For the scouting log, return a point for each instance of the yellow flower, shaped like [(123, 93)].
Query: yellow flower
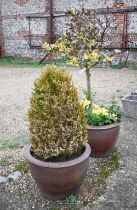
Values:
[(96, 106), (104, 112), (60, 44), (86, 56), (46, 46), (85, 103), (108, 59), (100, 110), (91, 43), (73, 61), (94, 56), (72, 11)]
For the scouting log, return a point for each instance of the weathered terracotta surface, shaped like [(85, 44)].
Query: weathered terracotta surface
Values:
[(102, 139), (130, 105), (58, 180)]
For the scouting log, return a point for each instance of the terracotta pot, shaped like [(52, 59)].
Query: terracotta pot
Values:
[(60, 179), (102, 139)]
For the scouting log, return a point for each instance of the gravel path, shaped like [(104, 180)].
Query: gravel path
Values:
[(15, 89), (121, 192)]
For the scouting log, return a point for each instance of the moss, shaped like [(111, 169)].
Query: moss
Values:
[(5, 161), (22, 166), (104, 169), (107, 167)]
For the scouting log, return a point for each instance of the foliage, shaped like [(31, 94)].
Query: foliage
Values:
[(70, 202), (56, 117), (97, 115), (83, 41)]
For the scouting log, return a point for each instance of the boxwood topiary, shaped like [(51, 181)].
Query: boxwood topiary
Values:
[(56, 118)]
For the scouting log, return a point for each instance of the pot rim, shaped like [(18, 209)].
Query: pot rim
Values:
[(64, 164), (125, 98), (103, 127)]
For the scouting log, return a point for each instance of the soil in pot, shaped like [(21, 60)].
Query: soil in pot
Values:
[(61, 158)]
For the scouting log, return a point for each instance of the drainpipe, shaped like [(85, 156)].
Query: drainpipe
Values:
[(51, 21), (1, 33)]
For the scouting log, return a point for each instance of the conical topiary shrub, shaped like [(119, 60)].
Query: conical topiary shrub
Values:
[(56, 118), (58, 157)]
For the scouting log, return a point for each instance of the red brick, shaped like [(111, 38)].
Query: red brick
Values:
[(21, 2)]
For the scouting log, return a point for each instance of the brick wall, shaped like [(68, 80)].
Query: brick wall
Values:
[(15, 24)]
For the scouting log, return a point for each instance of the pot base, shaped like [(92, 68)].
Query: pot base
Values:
[(103, 155), (58, 180), (102, 139), (59, 197)]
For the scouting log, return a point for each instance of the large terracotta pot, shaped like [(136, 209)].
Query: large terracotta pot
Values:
[(60, 179), (102, 139)]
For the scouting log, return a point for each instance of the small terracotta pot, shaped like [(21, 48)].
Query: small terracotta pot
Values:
[(60, 179), (102, 139)]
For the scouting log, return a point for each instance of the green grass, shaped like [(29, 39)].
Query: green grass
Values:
[(22, 62), (13, 143)]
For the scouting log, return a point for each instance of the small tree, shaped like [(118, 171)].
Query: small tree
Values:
[(83, 42), (56, 117)]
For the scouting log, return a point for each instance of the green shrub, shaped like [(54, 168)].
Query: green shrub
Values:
[(56, 117)]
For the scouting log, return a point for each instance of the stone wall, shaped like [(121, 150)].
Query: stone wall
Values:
[(15, 25)]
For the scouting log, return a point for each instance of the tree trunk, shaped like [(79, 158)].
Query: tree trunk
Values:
[(88, 84)]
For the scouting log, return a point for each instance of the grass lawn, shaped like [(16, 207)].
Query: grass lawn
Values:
[(23, 62)]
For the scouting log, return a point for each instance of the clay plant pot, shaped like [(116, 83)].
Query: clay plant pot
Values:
[(58, 180), (102, 139)]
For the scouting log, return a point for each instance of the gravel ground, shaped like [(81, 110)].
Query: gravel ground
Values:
[(121, 185)]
